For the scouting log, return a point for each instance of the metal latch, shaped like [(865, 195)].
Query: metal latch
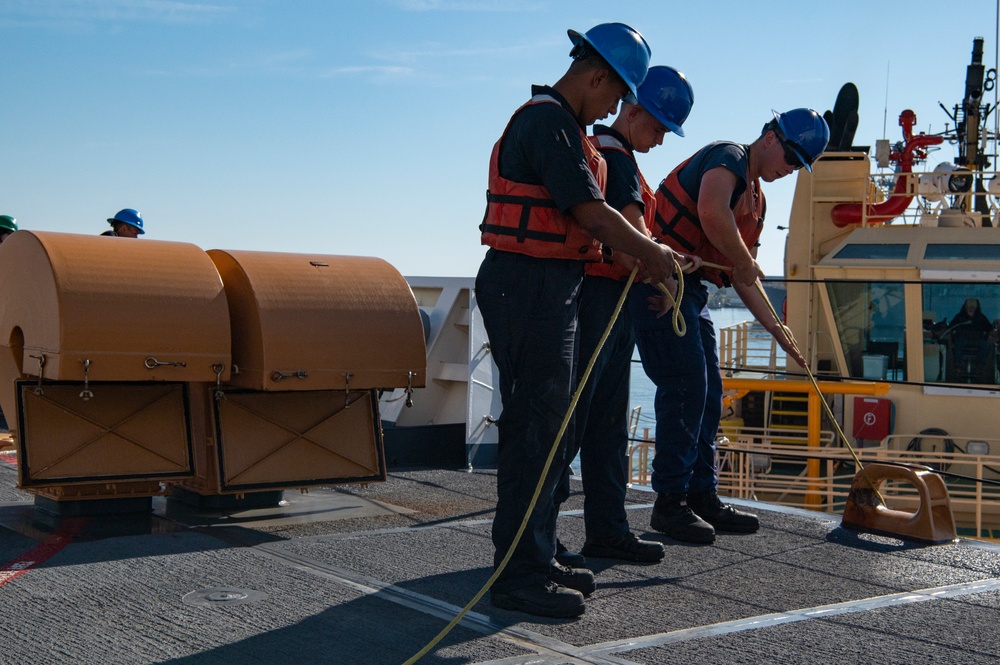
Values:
[(153, 363), (86, 393), (41, 364), (278, 375)]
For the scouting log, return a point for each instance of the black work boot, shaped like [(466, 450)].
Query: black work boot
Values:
[(709, 507), (625, 547), (579, 579), (672, 516), (544, 600), (568, 557)]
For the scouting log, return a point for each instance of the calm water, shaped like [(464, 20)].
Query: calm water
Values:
[(643, 389)]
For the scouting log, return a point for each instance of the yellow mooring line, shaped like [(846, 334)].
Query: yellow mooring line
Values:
[(822, 399), (541, 479), (680, 328)]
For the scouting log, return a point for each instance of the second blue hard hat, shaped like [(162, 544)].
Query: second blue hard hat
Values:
[(668, 97), (128, 216), (806, 133), (622, 47)]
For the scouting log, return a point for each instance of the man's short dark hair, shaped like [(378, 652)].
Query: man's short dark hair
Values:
[(772, 127), (586, 57)]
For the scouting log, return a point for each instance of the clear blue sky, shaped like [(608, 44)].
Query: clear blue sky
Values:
[(365, 128)]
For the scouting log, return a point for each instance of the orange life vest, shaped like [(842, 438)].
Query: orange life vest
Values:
[(614, 270), (523, 218), (676, 223)]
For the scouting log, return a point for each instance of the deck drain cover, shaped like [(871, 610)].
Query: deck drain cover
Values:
[(222, 596)]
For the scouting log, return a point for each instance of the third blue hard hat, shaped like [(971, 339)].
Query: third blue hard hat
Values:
[(668, 97), (806, 133), (128, 216), (622, 47)]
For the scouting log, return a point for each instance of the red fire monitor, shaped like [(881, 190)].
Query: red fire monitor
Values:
[(872, 418)]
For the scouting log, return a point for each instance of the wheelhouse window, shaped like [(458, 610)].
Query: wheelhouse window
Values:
[(956, 252), (871, 324), (961, 325), (893, 251)]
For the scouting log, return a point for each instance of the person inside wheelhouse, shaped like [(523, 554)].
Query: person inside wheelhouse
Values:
[(964, 348), (973, 339)]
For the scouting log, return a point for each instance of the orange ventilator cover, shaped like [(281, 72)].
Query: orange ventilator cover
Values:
[(313, 322), (137, 310)]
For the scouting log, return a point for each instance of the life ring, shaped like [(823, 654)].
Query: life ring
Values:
[(949, 445)]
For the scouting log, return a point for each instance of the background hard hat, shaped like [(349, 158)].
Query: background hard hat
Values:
[(806, 132), (128, 216), (624, 49), (8, 223), (668, 97)]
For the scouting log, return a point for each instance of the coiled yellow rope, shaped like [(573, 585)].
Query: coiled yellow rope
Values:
[(677, 319)]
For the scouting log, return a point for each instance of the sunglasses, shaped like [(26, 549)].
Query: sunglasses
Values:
[(791, 157)]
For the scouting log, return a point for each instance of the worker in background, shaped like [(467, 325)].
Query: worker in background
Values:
[(7, 226), (545, 219), (127, 223), (973, 334), (665, 98), (711, 205)]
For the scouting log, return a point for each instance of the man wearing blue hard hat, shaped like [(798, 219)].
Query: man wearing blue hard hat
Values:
[(664, 101), (127, 223), (546, 217), (711, 205)]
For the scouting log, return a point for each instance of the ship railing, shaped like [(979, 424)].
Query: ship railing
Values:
[(931, 198), (753, 466), (642, 451), (748, 346)]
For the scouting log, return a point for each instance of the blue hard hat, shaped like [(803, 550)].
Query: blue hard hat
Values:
[(622, 47), (806, 133), (128, 216), (668, 97)]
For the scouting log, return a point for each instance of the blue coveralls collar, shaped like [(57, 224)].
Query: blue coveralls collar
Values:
[(604, 129), (549, 90)]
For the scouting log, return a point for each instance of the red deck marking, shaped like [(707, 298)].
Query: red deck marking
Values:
[(8, 457), (43, 551)]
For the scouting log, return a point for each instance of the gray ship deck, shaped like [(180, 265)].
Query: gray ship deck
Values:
[(370, 575)]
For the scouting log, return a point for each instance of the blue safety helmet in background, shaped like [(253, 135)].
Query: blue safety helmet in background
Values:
[(128, 216), (805, 132), (668, 97), (622, 47)]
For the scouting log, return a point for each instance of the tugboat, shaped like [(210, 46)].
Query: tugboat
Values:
[(893, 277)]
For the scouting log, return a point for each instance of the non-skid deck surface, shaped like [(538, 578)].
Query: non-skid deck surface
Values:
[(360, 575)]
